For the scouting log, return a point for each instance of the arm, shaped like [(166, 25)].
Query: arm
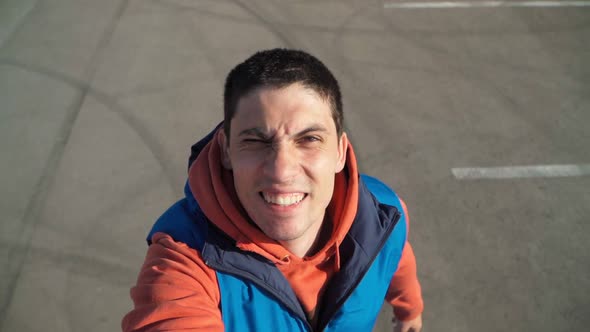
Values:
[(175, 291), (404, 292)]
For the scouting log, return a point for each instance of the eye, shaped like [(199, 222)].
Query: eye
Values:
[(255, 143), (256, 140), (310, 139)]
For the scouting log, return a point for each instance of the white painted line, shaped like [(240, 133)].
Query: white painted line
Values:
[(483, 4), (539, 171)]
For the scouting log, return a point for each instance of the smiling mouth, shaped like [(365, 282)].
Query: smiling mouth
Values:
[(283, 199)]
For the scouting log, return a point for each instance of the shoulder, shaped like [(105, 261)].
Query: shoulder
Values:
[(184, 222), (383, 193)]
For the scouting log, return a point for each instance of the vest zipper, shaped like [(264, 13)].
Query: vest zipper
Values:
[(362, 274)]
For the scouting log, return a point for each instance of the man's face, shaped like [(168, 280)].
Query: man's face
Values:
[(284, 152)]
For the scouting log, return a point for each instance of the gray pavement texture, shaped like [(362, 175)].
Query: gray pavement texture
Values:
[(101, 100)]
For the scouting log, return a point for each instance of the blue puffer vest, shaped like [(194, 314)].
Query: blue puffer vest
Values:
[(255, 296)]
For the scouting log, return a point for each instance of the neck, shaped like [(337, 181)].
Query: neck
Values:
[(305, 247)]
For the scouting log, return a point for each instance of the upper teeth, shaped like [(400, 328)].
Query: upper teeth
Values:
[(283, 199)]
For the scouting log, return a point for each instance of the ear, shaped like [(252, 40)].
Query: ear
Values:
[(223, 142), (342, 152)]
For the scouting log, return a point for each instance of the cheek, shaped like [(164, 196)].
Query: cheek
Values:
[(245, 162), (245, 171), (321, 172), (321, 165)]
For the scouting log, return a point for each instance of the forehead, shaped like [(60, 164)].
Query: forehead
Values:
[(290, 107)]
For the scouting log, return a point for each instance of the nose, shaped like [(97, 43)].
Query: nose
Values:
[(281, 164)]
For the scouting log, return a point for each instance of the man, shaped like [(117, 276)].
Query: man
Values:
[(278, 231)]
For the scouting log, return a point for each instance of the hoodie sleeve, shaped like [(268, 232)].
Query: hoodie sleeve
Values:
[(404, 292), (175, 291)]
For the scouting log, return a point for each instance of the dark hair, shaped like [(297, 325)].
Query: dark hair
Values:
[(278, 68)]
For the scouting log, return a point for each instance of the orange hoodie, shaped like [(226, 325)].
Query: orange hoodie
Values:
[(176, 290)]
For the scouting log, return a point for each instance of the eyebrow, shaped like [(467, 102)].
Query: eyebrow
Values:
[(259, 132), (253, 132), (314, 128)]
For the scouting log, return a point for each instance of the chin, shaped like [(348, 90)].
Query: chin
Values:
[(282, 235)]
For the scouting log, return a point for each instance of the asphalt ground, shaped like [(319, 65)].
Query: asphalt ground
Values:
[(101, 100)]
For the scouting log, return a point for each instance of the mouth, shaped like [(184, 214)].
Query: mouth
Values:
[(283, 199)]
